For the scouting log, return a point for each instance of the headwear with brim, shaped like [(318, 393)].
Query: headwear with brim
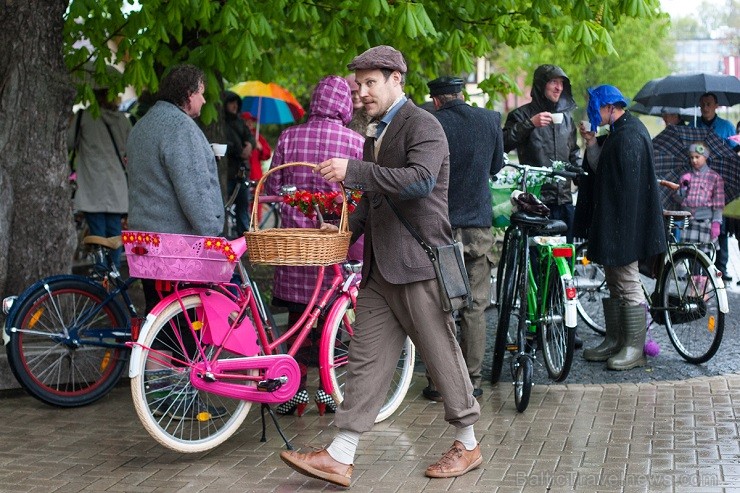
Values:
[(445, 85), (601, 96), (379, 57)]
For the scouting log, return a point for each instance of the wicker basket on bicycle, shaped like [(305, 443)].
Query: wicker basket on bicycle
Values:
[(296, 246)]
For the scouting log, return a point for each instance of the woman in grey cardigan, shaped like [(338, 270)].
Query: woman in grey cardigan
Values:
[(173, 180)]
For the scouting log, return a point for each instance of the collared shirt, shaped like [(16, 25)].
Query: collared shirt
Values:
[(388, 116), (704, 196)]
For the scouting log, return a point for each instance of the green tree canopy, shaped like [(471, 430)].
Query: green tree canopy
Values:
[(296, 42)]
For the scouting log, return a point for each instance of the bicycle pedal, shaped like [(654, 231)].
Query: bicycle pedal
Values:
[(512, 347), (272, 384)]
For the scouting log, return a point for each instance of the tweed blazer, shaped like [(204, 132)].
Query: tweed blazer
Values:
[(412, 168)]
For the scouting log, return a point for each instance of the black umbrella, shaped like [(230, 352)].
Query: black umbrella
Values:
[(684, 90), (671, 153), (659, 110)]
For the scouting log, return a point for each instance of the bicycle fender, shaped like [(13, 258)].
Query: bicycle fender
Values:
[(724, 306), (136, 349), (10, 320), (334, 312), (571, 306)]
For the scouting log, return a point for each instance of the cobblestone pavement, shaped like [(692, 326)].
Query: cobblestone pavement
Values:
[(652, 437)]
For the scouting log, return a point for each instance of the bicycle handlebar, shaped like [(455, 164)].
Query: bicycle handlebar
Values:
[(570, 171)]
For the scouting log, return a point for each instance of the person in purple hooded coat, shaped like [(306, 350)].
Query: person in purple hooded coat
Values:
[(323, 136)]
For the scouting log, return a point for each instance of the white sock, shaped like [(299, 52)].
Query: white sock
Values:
[(344, 446), (466, 436)]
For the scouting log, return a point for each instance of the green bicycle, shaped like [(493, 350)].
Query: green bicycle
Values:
[(537, 303)]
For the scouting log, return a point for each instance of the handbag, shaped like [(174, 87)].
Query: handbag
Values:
[(449, 268)]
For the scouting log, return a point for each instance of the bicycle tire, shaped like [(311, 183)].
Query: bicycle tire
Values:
[(338, 351), (507, 304), (522, 382), (591, 286), (694, 321), (58, 369), (159, 402), (556, 340), (498, 282)]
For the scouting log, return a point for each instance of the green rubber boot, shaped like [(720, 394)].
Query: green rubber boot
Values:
[(632, 354), (612, 341)]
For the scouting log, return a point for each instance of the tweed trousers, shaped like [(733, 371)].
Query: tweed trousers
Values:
[(385, 314)]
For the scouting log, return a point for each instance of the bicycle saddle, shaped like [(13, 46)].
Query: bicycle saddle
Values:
[(113, 242), (541, 225)]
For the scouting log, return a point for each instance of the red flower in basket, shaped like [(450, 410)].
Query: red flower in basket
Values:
[(326, 202)]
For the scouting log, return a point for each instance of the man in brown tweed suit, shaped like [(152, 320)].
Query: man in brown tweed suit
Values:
[(407, 160)]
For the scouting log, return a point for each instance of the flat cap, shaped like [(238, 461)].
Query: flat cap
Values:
[(445, 85), (379, 57)]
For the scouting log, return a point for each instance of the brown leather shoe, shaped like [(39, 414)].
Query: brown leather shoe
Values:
[(455, 462), (319, 465)]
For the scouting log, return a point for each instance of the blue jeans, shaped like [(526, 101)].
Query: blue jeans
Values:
[(106, 224)]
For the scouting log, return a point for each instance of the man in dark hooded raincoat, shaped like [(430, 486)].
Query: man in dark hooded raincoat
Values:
[(626, 222), (532, 130)]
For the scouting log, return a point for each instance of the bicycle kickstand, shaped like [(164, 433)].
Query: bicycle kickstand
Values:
[(277, 425)]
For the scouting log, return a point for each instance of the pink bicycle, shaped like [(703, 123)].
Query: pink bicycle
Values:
[(210, 349)]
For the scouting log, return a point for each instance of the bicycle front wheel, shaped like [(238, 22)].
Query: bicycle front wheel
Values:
[(694, 321), (338, 351), (176, 414), (55, 349), (522, 382), (590, 282), (556, 340), (508, 304)]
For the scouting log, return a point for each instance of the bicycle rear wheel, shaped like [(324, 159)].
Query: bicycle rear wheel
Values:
[(556, 340), (55, 349), (508, 304), (338, 355), (591, 285), (175, 413), (694, 321)]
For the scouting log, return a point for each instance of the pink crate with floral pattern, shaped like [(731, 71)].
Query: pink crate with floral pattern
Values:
[(176, 257)]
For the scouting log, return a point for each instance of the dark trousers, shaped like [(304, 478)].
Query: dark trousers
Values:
[(241, 206), (722, 253), (565, 213)]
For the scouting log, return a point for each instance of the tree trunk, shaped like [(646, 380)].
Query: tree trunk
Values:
[(36, 96)]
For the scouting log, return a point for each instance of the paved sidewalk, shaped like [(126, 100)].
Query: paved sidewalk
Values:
[(664, 437)]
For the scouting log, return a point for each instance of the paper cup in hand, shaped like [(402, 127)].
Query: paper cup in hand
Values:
[(219, 149), (557, 118), (586, 125)]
